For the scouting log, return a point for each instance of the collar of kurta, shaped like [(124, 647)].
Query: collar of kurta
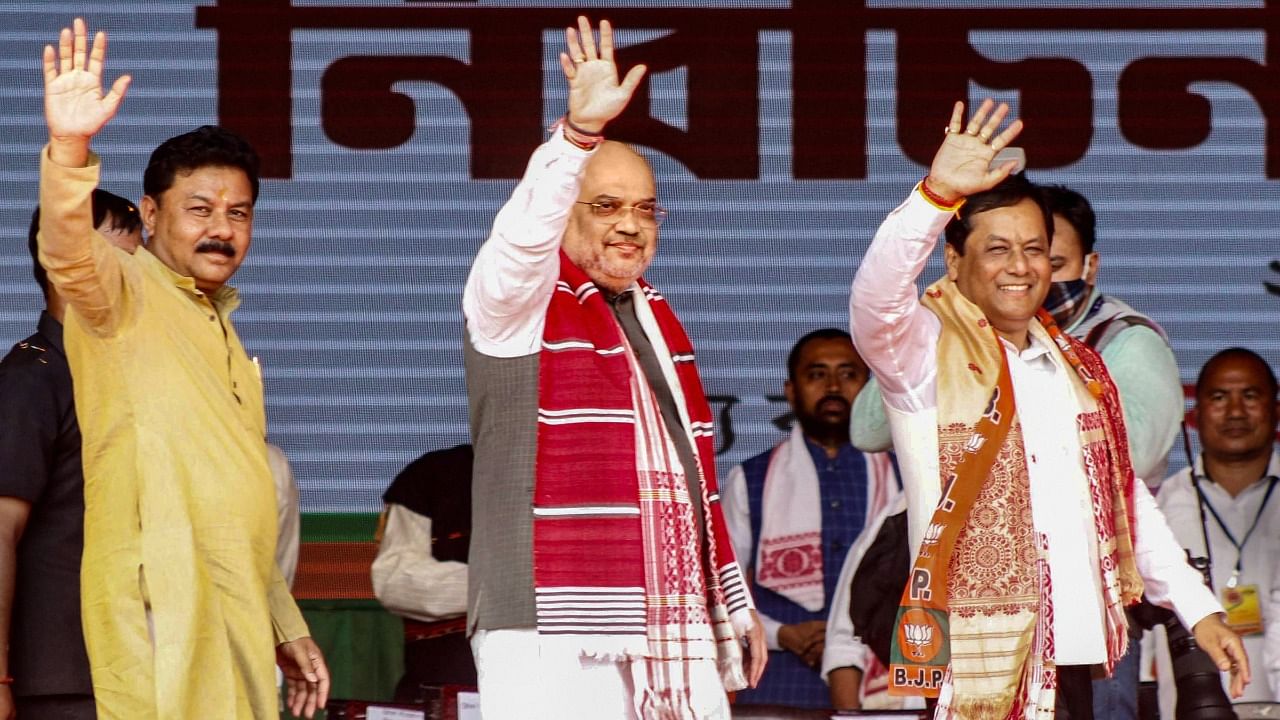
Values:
[(226, 298)]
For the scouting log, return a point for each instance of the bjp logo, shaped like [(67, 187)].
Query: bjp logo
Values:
[(920, 634)]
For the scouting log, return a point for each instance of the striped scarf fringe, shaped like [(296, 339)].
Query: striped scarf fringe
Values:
[(618, 572)]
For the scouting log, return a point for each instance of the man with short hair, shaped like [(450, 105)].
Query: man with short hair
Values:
[(1225, 500), (602, 580), (1133, 346), (42, 503), (1028, 530), (795, 510), (1139, 359), (180, 594)]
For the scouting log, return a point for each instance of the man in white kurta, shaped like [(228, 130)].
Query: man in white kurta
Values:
[(1006, 275)]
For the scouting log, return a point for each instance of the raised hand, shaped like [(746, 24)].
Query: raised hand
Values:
[(962, 165), (595, 95), (75, 107)]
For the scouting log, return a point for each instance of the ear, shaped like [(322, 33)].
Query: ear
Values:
[(148, 209), (789, 390), (1095, 261), (952, 259)]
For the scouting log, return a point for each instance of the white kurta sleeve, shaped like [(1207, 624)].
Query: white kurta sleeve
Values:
[(407, 579)]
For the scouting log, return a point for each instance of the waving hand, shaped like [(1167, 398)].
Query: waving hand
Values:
[(75, 106), (962, 165), (595, 94)]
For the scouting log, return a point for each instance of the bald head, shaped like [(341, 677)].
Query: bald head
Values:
[(610, 242), (611, 160)]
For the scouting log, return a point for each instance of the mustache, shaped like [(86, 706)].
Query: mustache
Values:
[(843, 403), (216, 246)]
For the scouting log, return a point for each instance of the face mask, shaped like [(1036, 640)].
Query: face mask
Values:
[(1066, 298)]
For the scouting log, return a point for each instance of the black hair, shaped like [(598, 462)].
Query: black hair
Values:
[(105, 205), (1242, 353), (206, 146), (1009, 192), (823, 334), (1075, 209)]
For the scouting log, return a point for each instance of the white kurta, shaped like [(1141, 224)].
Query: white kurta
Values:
[(898, 338)]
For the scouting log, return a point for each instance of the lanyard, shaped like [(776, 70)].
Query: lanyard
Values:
[(1239, 544)]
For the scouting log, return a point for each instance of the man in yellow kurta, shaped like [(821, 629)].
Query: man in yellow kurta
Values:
[(181, 598)]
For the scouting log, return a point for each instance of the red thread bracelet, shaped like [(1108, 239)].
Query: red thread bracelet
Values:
[(577, 136), (937, 200)]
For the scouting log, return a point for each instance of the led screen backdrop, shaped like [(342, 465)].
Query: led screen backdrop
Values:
[(781, 133)]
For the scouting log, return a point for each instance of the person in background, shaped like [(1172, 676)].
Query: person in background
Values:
[(795, 510), (44, 671), (420, 572), (288, 513), (1225, 500)]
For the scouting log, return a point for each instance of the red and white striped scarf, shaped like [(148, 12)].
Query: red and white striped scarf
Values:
[(618, 571)]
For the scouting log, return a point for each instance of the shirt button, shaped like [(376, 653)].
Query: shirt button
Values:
[(835, 503), (213, 317)]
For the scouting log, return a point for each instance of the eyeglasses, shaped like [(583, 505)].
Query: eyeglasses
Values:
[(646, 213)]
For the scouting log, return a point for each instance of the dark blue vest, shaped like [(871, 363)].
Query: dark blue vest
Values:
[(843, 488)]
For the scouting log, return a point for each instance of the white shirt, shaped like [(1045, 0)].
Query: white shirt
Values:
[(1177, 498), (407, 579), (288, 514), (737, 518), (898, 338)]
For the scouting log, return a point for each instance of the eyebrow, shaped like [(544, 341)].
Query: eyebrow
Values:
[(607, 196), (206, 199), (1003, 239)]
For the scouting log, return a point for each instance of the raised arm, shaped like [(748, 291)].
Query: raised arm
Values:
[(515, 271), (82, 264), (893, 333)]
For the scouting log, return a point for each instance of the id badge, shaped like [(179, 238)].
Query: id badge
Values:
[(1244, 613)]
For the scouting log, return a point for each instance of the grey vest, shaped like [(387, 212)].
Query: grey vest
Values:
[(503, 395)]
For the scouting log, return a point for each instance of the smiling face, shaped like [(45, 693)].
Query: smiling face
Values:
[(202, 225), (1236, 409), (1005, 267), (613, 251)]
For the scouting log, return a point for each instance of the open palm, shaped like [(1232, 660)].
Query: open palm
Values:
[(962, 165), (596, 96), (74, 102)]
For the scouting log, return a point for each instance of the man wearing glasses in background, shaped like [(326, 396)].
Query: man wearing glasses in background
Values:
[(602, 578)]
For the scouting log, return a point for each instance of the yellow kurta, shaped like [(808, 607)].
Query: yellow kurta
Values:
[(180, 506)]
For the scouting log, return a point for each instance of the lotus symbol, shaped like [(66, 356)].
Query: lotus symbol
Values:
[(918, 636), (932, 533)]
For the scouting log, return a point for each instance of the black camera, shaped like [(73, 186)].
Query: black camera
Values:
[(1196, 678)]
